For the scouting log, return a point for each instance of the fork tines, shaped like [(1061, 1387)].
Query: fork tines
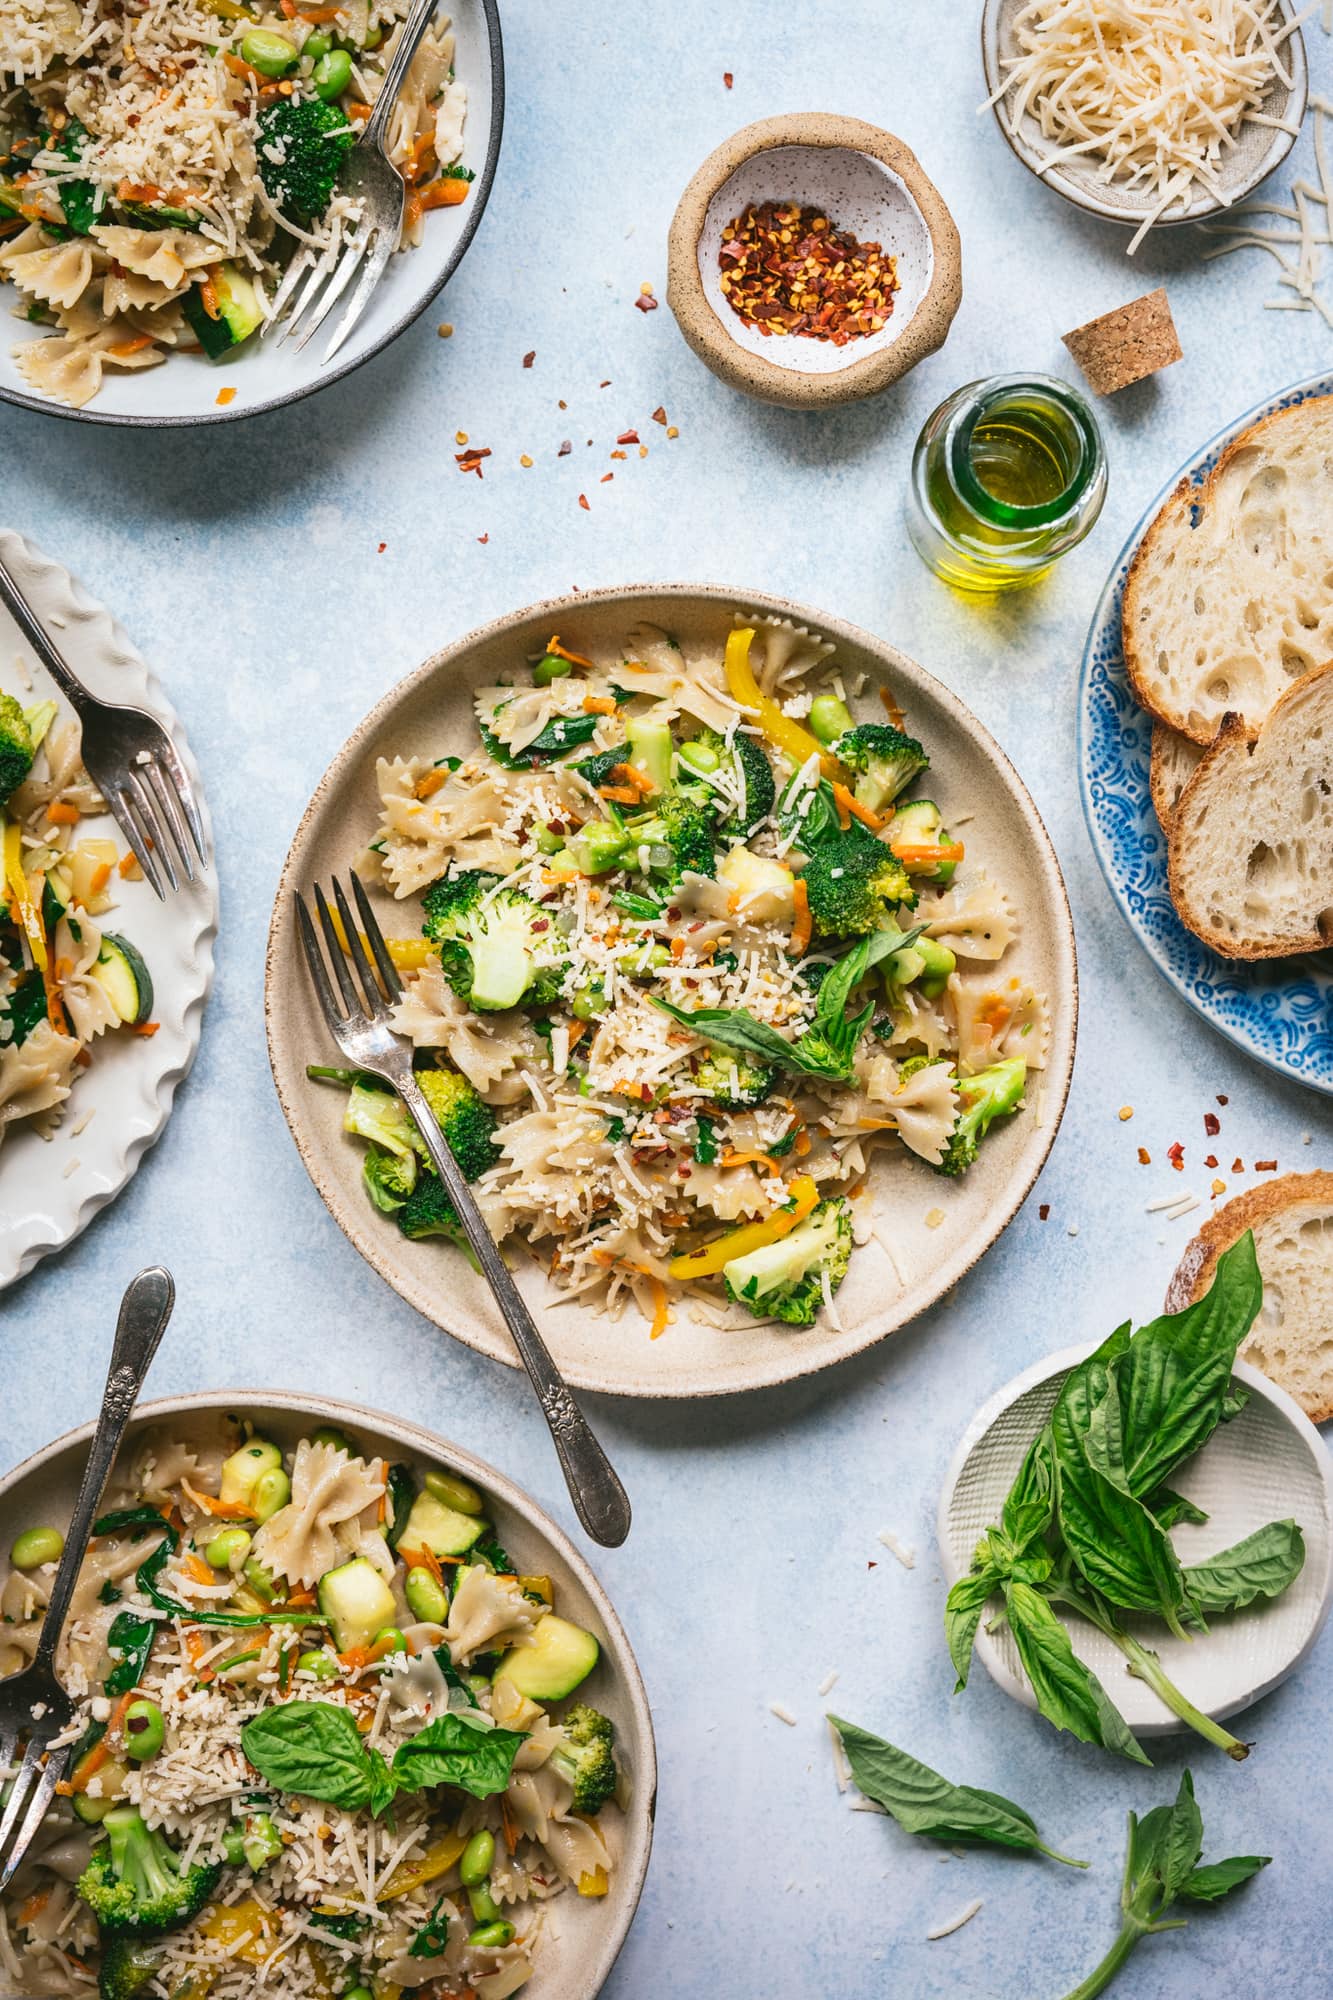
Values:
[(343, 941), (29, 1800)]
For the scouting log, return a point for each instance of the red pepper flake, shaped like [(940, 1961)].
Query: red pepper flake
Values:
[(529, 358), (1044, 1210), (583, 502), (1176, 1155), (646, 303), (1145, 1157), (785, 269), (727, 79), (628, 437), (566, 446), (1238, 1166), (1265, 1166), (1212, 1124), (541, 924), (605, 476), (606, 384), (562, 404), (872, 1565), (382, 547), (470, 460), (1223, 1100), (659, 415), (1210, 1159), (620, 454), (483, 538)]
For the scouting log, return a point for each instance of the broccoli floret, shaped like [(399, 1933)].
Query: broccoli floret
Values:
[(311, 138), (679, 836), (884, 759), (990, 1094), (756, 776), (489, 943), (428, 1211), (389, 1178), (584, 1757), (734, 1082), (465, 1119), (17, 748), (135, 1886), (784, 1280), (378, 1114), (854, 884), (128, 1968)]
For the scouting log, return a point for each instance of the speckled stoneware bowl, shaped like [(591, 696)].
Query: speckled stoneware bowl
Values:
[(1258, 149), (939, 1228), (865, 181), (576, 1961)]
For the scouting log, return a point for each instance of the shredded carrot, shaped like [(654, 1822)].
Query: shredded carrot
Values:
[(222, 1510), (510, 1825), (360, 112), (300, 1600), (891, 708), (639, 779), (660, 1314), (61, 813), (913, 856), (198, 1570), (89, 1766), (382, 1510), (208, 298), (877, 1124), (802, 1146), (802, 927), (9, 228), (99, 878), (844, 817), (414, 167), (844, 798), (32, 1906), (427, 786), (621, 795), (560, 652), (239, 67), (576, 1030), (147, 1029), (424, 1559), (128, 867), (122, 350), (765, 1160), (63, 968), (598, 704)]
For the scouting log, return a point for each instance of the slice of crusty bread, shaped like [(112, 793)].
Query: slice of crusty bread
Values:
[(1230, 596), (1292, 1340), (1175, 759), (1250, 845)]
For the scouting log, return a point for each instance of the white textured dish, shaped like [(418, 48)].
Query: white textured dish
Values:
[(432, 712), (590, 1932), (1258, 149), (266, 374), (1268, 1464), (129, 1086), (865, 197)]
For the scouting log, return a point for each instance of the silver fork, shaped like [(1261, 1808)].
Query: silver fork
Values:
[(129, 757), (360, 1027), (144, 1312), (372, 180)]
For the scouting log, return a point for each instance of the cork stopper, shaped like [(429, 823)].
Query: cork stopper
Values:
[(1125, 345)]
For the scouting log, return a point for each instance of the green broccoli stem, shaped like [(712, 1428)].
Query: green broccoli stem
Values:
[(1145, 1666), (323, 1073)]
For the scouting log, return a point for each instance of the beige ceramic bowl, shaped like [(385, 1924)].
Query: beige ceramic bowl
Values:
[(431, 713), (575, 1964), (865, 180)]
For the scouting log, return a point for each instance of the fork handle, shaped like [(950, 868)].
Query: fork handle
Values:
[(414, 33), (144, 1312), (599, 1498), (36, 635)]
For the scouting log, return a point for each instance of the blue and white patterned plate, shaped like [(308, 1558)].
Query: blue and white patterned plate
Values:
[(1279, 1011)]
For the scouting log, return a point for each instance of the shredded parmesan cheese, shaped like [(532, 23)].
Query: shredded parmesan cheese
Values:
[(955, 1923)]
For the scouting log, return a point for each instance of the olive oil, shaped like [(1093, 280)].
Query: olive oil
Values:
[(1006, 476)]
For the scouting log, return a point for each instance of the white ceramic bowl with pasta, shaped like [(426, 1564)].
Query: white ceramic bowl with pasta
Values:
[(917, 1232), (574, 1954), (264, 372)]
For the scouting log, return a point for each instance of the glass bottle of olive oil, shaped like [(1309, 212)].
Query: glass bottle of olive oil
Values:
[(1007, 475)]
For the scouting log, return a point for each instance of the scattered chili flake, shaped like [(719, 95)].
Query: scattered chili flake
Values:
[(525, 460), (605, 476), (225, 396), (672, 432), (460, 437), (1237, 1166), (1176, 1155), (620, 454), (646, 302), (1265, 1166), (643, 451), (872, 1565), (382, 547), (1044, 1211), (583, 502), (1212, 1124), (1145, 1157), (1210, 1159), (562, 404), (1219, 1187), (1223, 1100), (470, 460), (659, 415), (483, 538), (727, 79), (606, 384), (1126, 1112), (786, 270), (628, 437), (529, 357)]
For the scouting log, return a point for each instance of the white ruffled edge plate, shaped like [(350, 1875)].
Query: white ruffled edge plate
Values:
[(52, 1189), (1269, 1463)]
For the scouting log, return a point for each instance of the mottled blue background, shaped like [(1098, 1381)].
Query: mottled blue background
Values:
[(245, 564)]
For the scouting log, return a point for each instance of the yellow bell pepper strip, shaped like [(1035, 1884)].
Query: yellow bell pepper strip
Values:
[(436, 1861), (781, 730), (708, 1261), (245, 1930), (593, 1882), (25, 908), (538, 1586), (408, 954)]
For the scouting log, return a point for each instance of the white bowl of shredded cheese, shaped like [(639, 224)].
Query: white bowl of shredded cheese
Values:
[(1146, 111)]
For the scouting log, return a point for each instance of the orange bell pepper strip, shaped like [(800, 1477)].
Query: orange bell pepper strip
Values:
[(709, 1260), (782, 731)]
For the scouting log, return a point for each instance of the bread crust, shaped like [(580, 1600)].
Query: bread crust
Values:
[(1161, 776), (1232, 739), (1186, 494), (1194, 1273)]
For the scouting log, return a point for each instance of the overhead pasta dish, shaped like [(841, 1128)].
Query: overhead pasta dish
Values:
[(695, 948), (315, 1751), (160, 164), (66, 978)]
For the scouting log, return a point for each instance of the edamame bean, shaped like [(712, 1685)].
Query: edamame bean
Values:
[(374, 36), (390, 1640), (699, 756), (588, 1003), (485, 1909), (228, 1549), (474, 1864), (332, 74), (145, 1730), (425, 1598), (317, 1663), (829, 718), (316, 45), (358, 1993), (270, 54), (490, 1937), (455, 1493), (550, 668), (272, 1491), (259, 1579), (326, 1434), (41, 1545)]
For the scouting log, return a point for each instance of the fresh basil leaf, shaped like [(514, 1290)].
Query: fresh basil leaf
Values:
[(925, 1803), (383, 1784), (1217, 1879), (454, 1751), (1175, 1378), (1262, 1565), (1030, 1507), (1117, 1545), (432, 1940), (1182, 1840), (129, 1642), (313, 1749), (1168, 1509), (1068, 1693), (737, 1028), (962, 1615)]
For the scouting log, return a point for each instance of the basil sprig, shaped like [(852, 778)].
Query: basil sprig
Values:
[(137, 1521), (828, 1045), (1086, 1524), (1161, 1869), (923, 1802), (314, 1748)]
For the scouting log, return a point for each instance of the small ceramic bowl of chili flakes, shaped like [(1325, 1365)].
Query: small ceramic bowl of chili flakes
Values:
[(811, 261)]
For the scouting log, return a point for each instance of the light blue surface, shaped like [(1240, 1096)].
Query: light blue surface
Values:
[(246, 566)]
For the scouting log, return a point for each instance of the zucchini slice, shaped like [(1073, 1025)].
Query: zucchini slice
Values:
[(125, 979)]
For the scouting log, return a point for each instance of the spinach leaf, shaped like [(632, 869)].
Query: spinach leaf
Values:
[(562, 732), (923, 1802), (1218, 1878), (1260, 1566), (454, 1751), (433, 1938), (401, 1490), (129, 1642), (24, 1006), (312, 1748), (444, 1660), (1068, 1693)]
